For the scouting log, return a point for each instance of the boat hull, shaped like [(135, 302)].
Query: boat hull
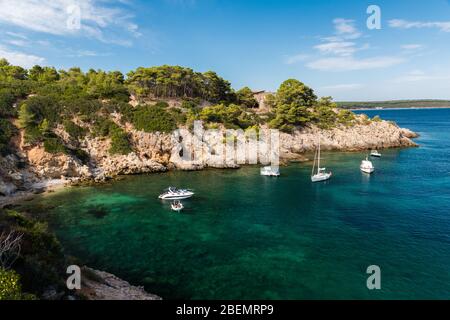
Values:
[(175, 197), (321, 177), (368, 170)]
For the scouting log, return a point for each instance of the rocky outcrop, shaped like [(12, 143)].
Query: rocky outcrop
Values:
[(375, 135), (56, 166), (12, 177), (100, 285), (129, 164)]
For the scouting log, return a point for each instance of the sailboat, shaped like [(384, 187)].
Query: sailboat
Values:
[(321, 174)]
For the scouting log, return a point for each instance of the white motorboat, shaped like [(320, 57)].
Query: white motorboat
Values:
[(173, 193), (270, 171), (367, 166), (321, 174), (375, 153), (177, 206)]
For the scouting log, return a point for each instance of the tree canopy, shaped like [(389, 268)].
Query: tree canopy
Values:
[(178, 82), (246, 98)]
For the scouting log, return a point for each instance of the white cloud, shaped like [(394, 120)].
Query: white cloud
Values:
[(346, 28), (412, 46), (341, 49), (86, 53), (20, 58), (18, 42), (344, 86), (352, 64), (295, 58), (404, 24), (54, 16), (337, 48), (16, 35)]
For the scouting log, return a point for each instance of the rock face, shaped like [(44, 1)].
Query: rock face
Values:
[(100, 285), (57, 166)]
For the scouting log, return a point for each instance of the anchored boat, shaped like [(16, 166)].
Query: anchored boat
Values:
[(173, 193), (367, 166), (177, 206), (375, 153), (321, 174)]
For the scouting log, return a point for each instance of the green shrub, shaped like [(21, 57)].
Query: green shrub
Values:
[(80, 154), (6, 104), (124, 108), (82, 106), (33, 135), (120, 143), (189, 104), (178, 115), (346, 117), (54, 145), (103, 127), (154, 118), (10, 288), (41, 263), (37, 108), (376, 119), (75, 131), (7, 131)]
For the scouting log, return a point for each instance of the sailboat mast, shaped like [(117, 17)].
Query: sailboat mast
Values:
[(318, 159), (314, 163)]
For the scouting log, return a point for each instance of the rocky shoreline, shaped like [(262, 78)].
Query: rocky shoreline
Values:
[(100, 285), (31, 170)]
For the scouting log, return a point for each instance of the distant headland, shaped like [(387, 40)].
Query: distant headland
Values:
[(394, 104)]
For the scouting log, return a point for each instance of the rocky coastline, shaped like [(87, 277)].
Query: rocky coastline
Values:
[(31, 170)]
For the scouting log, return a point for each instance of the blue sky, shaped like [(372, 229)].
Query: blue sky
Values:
[(324, 43)]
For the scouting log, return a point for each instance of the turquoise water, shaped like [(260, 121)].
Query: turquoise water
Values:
[(244, 236)]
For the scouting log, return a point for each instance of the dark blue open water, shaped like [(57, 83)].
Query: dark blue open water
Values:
[(249, 237)]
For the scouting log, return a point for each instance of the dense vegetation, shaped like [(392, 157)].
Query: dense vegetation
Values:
[(395, 104), (96, 103), (37, 266), (154, 118)]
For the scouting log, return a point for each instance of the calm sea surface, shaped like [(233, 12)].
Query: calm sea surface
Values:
[(244, 236)]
